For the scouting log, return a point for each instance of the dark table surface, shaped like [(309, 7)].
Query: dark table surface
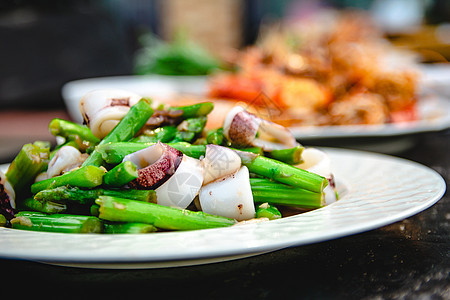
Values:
[(407, 260)]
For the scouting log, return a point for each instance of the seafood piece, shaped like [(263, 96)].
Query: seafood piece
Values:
[(245, 129), (66, 159), (176, 178), (7, 197), (181, 189), (103, 109), (230, 196), (318, 162), (219, 162), (361, 108)]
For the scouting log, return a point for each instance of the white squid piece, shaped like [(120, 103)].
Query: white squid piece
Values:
[(176, 178), (103, 109), (230, 196), (219, 161), (7, 197), (318, 162), (246, 129), (66, 158)]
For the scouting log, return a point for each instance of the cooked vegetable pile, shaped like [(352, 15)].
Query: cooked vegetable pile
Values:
[(138, 166)]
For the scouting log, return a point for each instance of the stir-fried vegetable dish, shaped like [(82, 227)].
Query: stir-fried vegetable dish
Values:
[(138, 166)]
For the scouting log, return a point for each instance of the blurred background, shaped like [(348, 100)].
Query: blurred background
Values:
[(47, 43)]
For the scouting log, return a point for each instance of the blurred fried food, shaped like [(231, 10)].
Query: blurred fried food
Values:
[(335, 68)]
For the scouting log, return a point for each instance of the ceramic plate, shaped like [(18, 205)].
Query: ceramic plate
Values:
[(375, 190), (434, 110)]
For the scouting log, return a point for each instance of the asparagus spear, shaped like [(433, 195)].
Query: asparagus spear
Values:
[(125, 210), (126, 129), (57, 223), (276, 193), (2, 220), (31, 160), (49, 207), (115, 228), (87, 177), (163, 134), (121, 174), (282, 172), (189, 129), (194, 110), (95, 210), (215, 136), (75, 194), (77, 133), (266, 210), (114, 153), (291, 156)]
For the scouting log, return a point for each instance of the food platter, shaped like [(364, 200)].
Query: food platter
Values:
[(434, 110), (375, 190)]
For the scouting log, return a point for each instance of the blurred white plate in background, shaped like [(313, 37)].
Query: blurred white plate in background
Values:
[(154, 86)]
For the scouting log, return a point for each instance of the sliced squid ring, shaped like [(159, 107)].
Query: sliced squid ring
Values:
[(103, 109), (175, 177), (230, 196), (155, 164), (183, 186), (65, 159), (246, 129), (219, 161), (7, 197)]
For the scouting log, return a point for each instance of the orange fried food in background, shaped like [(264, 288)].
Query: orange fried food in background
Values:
[(336, 72)]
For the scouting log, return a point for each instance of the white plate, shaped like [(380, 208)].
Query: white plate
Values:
[(434, 111), (435, 78), (155, 86), (375, 189)]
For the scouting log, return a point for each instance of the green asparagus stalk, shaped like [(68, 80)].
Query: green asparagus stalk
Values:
[(57, 223), (291, 156), (49, 207), (195, 151), (121, 174), (254, 150), (71, 131), (215, 136), (114, 153), (82, 196), (87, 177), (162, 134), (126, 129), (275, 193), (282, 172), (95, 210), (189, 129), (266, 210), (194, 110), (132, 228), (2, 220), (125, 210), (31, 160)]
